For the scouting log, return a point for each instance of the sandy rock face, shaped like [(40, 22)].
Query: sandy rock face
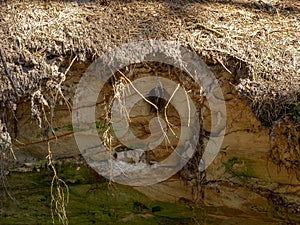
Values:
[(243, 166)]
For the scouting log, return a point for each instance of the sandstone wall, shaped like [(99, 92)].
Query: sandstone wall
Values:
[(241, 175)]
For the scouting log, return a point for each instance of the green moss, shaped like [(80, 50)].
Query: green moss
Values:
[(239, 167), (92, 200)]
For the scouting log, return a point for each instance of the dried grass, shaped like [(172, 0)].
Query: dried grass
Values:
[(40, 39)]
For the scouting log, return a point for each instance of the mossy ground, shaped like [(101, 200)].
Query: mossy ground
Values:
[(94, 201)]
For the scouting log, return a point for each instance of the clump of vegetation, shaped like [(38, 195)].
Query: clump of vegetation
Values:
[(239, 167)]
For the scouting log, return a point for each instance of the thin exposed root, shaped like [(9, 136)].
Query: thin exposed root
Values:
[(59, 193)]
